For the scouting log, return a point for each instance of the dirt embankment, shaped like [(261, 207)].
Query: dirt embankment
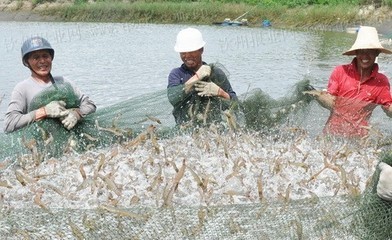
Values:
[(26, 10), (23, 16)]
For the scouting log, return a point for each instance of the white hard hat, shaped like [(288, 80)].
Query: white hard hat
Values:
[(189, 40)]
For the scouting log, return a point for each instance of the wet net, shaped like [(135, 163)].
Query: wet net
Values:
[(365, 217), (254, 110), (114, 124), (146, 119)]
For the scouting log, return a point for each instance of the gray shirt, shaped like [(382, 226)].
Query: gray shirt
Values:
[(17, 115)]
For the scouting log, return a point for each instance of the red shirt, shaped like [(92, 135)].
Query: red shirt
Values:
[(355, 101)]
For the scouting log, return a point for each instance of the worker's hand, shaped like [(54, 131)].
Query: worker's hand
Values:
[(55, 109), (208, 89), (188, 86), (325, 99), (384, 185), (204, 71), (314, 93), (71, 119), (388, 110)]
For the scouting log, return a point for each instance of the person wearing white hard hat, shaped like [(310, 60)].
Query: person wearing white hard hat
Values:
[(356, 89), (196, 87), (40, 95)]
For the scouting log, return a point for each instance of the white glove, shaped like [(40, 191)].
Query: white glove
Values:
[(189, 84), (71, 119), (384, 185), (204, 71), (55, 109), (209, 89)]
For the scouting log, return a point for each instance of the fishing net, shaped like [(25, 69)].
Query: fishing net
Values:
[(202, 110), (149, 117), (264, 112), (47, 138), (61, 91), (327, 218), (374, 216), (336, 217), (117, 123)]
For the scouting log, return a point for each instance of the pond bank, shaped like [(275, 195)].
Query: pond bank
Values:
[(335, 18), (22, 16)]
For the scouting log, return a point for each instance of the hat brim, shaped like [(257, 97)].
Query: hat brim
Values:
[(352, 52), (180, 49)]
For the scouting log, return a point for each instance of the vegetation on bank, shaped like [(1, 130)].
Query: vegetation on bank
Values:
[(287, 13), (288, 3)]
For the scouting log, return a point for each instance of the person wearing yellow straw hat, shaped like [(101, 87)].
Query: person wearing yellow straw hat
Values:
[(355, 89), (197, 91)]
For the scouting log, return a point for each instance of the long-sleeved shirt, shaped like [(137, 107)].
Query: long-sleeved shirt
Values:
[(188, 105), (355, 100), (20, 110)]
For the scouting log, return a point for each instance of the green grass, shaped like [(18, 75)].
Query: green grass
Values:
[(204, 12)]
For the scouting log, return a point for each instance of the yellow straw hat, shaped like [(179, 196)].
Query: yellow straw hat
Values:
[(367, 38)]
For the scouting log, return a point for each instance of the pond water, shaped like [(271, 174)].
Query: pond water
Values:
[(113, 62)]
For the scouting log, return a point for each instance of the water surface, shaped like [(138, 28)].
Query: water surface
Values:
[(113, 62)]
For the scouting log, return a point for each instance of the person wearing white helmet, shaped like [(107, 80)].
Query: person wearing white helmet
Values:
[(25, 108), (196, 87), (356, 89)]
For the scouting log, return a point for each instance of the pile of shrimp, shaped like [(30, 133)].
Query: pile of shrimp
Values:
[(206, 167)]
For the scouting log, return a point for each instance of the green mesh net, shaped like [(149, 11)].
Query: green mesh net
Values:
[(254, 110), (48, 138), (263, 112), (203, 111), (374, 216), (61, 91), (149, 117), (326, 218)]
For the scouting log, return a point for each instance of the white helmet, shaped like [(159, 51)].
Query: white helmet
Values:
[(189, 40)]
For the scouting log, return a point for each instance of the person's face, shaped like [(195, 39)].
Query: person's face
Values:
[(366, 58), (40, 62), (192, 59)]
